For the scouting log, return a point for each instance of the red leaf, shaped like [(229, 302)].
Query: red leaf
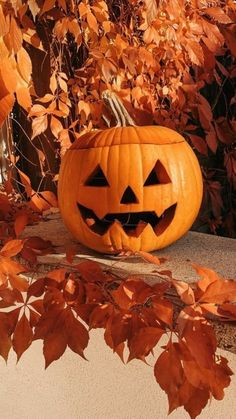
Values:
[(211, 140), (22, 337), (199, 143), (36, 289), (100, 315), (91, 271), (163, 310), (52, 327), (5, 341), (169, 373), (70, 253), (20, 222), (200, 340), (119, 349), (54, 345), (78, 336), (142, 343)]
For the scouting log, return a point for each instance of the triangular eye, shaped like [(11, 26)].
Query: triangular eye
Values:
[(97, 178), (158, 175)]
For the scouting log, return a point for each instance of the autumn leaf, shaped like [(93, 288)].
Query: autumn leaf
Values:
[(185, 291), (5, 340), (39, 125), (149, 257), (20, 222), (220, 292), (91, 271), (22, 337), (228, 311), (170, 361), (12, 248), (143, 342), (78, 336), (54, 345), (6, 105), (218, 14)]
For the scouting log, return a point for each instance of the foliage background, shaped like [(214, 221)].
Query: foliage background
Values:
[(171, 62)]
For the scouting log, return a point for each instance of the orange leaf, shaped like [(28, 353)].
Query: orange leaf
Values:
[(22, 337), (185, 291), (91, 271), (6, 105), (24, 64), (220, 292), (26, 183), (92, 22), (34, 8), (18, 282), (143, 342), (39, 125), (195, 51), (70, 253), (149, 257), (163, 310), (43, 201), (100, 315), (20, 222), (201, 341), (12, 248), (56, 126), (57, 275), (78, 336), (218, 14), (16, 35), (23, 98), (228, 310), (169, 373), (9, 266)]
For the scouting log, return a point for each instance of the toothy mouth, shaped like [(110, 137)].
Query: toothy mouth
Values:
[(133, 223)]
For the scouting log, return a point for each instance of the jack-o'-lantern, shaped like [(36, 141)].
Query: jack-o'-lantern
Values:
[(137, 188)]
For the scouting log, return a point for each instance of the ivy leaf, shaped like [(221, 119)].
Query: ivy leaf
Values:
[(78, 336), (22, 337), (143, 342), (218, 14), (20, 222), (12, 248), (170, 382)]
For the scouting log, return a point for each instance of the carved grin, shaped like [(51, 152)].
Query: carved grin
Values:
[(133, 223)]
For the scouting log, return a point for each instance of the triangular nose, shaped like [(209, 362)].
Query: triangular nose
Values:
[(128, 197)]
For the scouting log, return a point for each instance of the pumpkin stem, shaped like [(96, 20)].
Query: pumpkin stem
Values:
[(118, 110)]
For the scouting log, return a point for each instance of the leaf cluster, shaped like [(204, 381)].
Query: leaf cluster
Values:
[(63, 305)]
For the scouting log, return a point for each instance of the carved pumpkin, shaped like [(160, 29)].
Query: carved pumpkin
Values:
[(136, 188)]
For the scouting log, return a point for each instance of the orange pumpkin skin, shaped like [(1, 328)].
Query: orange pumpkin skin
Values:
[(148, 198)]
